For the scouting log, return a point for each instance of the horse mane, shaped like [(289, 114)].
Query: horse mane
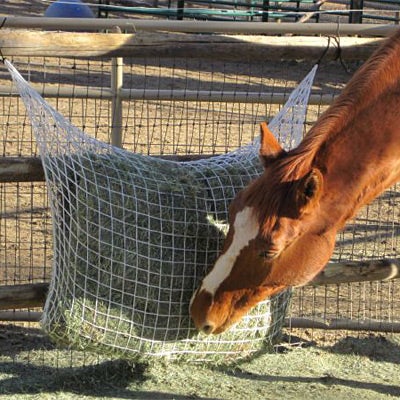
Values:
[(378, 74)]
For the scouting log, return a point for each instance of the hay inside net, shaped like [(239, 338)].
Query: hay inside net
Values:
[(134, 235)]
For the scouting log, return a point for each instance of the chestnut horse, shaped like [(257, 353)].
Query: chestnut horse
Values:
[(282, 227)]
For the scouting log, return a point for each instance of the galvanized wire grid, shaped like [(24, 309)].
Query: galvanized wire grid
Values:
[(25, 224)]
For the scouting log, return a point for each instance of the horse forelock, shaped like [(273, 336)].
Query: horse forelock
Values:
[(270, 195)]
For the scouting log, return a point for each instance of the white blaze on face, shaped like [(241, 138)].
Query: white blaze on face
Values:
[(245, 229)]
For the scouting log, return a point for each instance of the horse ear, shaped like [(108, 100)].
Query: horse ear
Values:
[(270, 149), (310, 189)]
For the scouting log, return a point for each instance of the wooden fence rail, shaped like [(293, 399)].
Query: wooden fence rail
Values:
[(152, 25), (253, 48), (33, 295)]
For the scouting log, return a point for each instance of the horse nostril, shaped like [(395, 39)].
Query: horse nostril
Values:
[(207, 329)]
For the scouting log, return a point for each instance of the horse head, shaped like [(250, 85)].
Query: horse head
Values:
[(282, 227), (274, 241)]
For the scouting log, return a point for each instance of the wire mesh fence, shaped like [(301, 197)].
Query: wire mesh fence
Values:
[(338, 11), (165, 127), (341, 11)]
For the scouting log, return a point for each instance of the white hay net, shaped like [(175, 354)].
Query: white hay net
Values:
[(134, 235)]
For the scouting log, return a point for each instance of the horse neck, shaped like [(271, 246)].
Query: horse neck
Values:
[(353, 172), (360, 161), (377, 75)]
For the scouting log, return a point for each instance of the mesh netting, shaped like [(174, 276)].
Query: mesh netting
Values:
[(134, 235)]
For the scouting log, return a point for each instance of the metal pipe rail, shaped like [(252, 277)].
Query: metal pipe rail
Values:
[(167, 95)]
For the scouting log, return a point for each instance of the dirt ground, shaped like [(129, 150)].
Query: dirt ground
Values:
[(308, 363), (355, 367)]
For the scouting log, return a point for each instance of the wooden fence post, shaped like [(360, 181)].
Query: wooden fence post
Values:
[(117, 78)]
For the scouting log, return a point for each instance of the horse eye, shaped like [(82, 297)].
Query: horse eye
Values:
[(269, 254), (242, 301), (277, 226)]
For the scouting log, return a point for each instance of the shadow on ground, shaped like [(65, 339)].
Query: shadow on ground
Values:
[(375, 347), (327, 380), (108, 379), (29, 364)]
